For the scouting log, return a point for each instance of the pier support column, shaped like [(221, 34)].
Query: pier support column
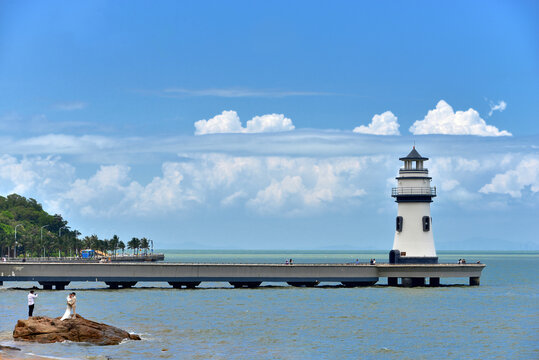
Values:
[(406, 282), (409, 282), (434, 281), (187, 284), (58, 285), (46, 285), (362, 283), (122, 284), (61, 285), (303, 283), (248, 284), (474, 281), (392, 281)]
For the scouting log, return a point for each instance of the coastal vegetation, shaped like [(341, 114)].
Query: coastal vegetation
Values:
[(26, 230)]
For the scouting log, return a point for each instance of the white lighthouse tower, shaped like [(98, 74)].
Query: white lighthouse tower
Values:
[(413, 242)]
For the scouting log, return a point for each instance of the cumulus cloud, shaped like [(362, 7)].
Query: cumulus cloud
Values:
[(34, 176), (269, 123), (383, 124), (513, 181), (229, 122), (265, 185), (443, 120), (500, 106), (106, 182)]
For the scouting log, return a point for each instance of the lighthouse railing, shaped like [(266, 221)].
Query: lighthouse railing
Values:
[(429, 191)]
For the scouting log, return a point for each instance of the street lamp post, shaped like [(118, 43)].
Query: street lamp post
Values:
[(44, 226), (15, 249), (59, 238)]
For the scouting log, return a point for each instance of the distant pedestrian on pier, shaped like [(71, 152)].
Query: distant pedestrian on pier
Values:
[(31, 302), (290, 262)]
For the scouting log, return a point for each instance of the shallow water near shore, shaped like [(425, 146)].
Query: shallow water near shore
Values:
[(499, 319)]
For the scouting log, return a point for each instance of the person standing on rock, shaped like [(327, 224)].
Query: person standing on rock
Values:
[(74, 304), (31, 302), (71, 305)]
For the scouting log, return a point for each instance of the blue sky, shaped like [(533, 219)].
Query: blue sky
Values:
[(272, 125)]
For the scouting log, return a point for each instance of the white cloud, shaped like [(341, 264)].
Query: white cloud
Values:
[(43, 177), (269, 123), (226, 122), (383, 124), (234, 198), (500, 106), (105, 187), (229, 122), (443, 120), (512, 182), (60, 143), (448, 185), (239, 92), (70, 106), (266, 185)]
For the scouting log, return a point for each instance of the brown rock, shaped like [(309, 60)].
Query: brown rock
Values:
[(43, 329)]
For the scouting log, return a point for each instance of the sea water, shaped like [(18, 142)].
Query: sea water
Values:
[(498, 319)]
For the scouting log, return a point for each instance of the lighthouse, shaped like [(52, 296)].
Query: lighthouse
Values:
[(414, 242)]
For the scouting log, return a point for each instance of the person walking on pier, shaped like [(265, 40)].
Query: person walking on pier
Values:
[(31, 302)]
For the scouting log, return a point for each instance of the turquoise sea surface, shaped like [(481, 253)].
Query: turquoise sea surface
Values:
[(497, 320)]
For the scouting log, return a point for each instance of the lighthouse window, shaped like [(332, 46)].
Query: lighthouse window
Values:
[(399, 223), (426, 223)]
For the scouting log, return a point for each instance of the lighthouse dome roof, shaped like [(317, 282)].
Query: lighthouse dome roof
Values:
[(413, 155)]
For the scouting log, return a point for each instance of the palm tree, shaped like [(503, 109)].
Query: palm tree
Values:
[(121, 245), (144, 244), (134, 243), (114, 242)]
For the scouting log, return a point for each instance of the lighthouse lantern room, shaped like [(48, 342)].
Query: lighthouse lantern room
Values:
[(414, 243)]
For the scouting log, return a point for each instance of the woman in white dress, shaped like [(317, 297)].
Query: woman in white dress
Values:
[(71, 305)]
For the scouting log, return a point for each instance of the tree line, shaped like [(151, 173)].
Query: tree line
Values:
[(27, 230)]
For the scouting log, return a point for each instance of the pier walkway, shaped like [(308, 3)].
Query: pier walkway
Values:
[(178, 275)]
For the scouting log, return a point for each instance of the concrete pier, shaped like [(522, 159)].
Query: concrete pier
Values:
[(178, 275)]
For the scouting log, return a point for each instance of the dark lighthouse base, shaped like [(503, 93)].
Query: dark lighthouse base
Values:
[(396, 258)]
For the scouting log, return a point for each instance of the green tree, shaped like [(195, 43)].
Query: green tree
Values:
[(144, 244), (134, 244), (114, 242), (121, 246)]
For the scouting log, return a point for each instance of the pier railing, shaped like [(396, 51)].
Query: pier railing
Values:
[(399, 191)]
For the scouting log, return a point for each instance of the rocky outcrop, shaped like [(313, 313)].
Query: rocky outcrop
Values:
[(43, 329)]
